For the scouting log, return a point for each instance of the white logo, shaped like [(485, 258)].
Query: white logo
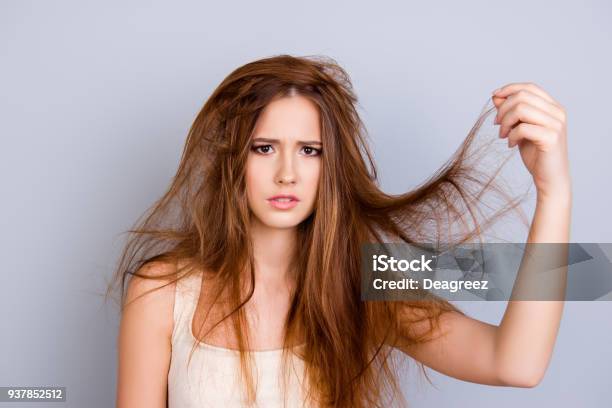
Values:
[(380, 263)]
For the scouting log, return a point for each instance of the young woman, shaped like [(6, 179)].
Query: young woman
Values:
[(245, 287)]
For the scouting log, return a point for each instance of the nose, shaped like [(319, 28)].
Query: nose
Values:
[(286, 173), (286, 180)]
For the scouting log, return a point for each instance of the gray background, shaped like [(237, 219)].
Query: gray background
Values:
[(96, 101)]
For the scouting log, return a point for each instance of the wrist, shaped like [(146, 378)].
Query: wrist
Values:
[(558, 197), (559, 190)]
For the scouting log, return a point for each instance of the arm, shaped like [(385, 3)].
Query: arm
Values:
[(533, 120), (517, 352), (525, 357), (145, 342)]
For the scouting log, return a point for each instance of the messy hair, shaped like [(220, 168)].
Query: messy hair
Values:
[(201, 223)]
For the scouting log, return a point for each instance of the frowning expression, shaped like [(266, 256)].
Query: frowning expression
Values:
[(284, 162)]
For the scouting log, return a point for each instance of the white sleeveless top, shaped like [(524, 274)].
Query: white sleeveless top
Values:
[(213, 376)]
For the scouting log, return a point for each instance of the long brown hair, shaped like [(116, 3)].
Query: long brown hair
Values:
[(202, 224)]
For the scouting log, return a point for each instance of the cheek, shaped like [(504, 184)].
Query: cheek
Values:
[(257, 176), (311, 177), (252, 178)]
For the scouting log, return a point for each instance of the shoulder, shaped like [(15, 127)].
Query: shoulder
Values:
[(145, 332), (150, 297)]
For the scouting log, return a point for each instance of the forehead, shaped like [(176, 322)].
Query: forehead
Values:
[(289, 118)]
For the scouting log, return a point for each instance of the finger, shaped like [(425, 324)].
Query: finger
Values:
[(525, 96), (498, 100), (526, 131), (527, 114), (511, 88)]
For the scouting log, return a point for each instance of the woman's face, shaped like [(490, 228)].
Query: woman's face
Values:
[(284, 160)]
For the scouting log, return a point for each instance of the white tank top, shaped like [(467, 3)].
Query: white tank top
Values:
[(213, 376)]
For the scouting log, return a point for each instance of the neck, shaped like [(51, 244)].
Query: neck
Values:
[(273, 249)]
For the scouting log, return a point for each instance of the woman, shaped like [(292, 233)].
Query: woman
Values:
[(255, 247)]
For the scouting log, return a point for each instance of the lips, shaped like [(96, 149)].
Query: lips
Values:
[(283, 201), (284, 198)]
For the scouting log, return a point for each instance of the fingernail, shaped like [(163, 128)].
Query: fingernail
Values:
[(496, 91)]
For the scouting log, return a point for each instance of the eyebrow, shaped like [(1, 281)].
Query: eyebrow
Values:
[(300, 142)]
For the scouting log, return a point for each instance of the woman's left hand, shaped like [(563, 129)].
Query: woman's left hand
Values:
[(533, 120)]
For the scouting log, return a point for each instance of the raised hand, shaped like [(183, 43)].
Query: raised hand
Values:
[(533, 120)]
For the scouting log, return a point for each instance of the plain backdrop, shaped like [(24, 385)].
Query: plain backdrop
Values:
[(96, 99)]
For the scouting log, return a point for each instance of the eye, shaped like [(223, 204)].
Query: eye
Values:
[(309, 150), (264, 149)]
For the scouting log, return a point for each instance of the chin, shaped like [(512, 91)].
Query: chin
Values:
[(274, 222), (286, 220)]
